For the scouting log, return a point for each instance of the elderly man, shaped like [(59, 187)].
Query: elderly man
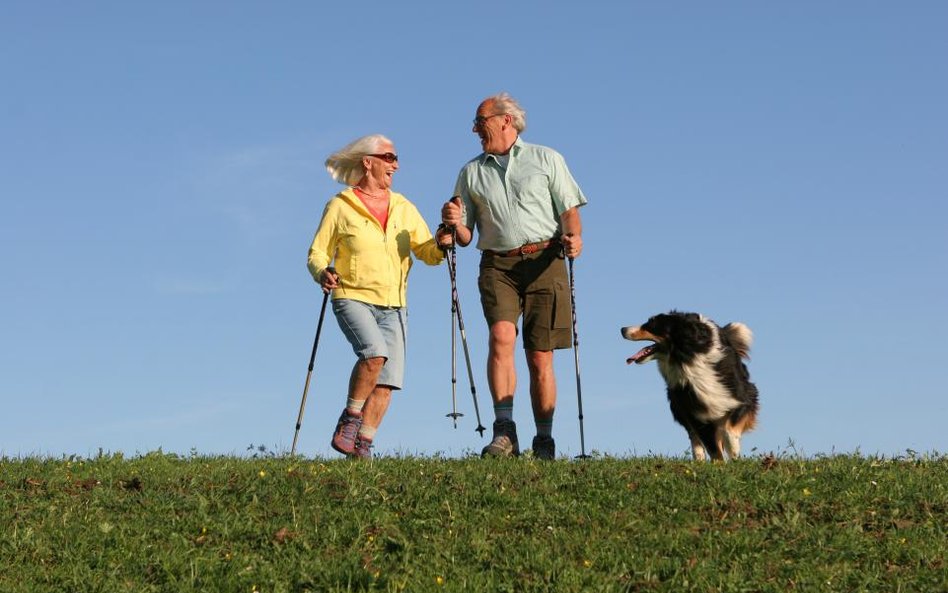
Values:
[(524, 203)]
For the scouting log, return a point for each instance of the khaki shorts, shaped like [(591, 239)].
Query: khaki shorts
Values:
[(535, 286)]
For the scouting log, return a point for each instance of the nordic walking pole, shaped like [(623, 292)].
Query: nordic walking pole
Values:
[(579, 386), (454, 415), (309, 373), (452, 271)]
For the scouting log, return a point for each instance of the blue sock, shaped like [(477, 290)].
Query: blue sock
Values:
[(503, 411), (545, 427)]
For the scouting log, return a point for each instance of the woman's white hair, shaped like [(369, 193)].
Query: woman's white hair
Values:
[(504, 103), (345, 165)]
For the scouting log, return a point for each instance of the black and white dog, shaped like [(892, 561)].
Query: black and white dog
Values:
[(709, 387)]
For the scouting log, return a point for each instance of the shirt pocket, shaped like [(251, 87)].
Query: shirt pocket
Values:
[(533, 187)]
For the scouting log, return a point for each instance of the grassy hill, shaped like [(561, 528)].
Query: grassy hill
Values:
[(162, 522)]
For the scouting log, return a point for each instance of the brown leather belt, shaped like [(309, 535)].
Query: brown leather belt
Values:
[(526, 249)]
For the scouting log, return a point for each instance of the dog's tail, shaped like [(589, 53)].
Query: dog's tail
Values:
[(740, 337)]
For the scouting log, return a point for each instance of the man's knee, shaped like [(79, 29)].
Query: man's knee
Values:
[(503, 334)]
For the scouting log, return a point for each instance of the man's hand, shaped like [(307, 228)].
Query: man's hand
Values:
[(451, 218), (451, 212), (572, 245)]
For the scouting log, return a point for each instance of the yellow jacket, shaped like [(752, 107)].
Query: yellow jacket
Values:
[(372, 263)]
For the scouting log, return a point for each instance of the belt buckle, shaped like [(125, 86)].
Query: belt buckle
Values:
[(528, 249)]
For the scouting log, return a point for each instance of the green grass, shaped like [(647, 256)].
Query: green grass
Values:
[(162, 522)]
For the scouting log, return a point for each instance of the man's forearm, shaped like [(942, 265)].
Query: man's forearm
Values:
[(464, 235), (572, 223)]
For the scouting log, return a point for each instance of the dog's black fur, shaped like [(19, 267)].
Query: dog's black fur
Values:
[(709, 387)]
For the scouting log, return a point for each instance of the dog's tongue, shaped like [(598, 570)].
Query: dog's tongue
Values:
[(640, 356)]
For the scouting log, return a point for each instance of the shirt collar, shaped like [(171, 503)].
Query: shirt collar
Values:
[(515, 149)]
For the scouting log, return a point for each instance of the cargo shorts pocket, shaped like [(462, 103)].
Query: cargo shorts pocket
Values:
[(562, 308)]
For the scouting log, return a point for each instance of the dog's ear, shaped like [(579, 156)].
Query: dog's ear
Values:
[(689, 336), (702, 335)]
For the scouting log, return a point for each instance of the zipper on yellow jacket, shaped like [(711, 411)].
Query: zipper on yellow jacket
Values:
[(357, 260)]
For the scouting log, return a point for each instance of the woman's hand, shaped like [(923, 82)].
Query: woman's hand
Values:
[(329, 279)]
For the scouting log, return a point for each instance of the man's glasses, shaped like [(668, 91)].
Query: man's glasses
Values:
[(388, 157), (480, 120)]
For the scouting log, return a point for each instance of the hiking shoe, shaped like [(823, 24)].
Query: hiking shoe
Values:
[(362, 449), (344, 439), (504, 443), (544, 447)]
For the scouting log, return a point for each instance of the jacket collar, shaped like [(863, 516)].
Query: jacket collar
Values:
[(350, 196)]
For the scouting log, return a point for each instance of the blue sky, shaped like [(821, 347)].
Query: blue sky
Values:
[(780, 164)]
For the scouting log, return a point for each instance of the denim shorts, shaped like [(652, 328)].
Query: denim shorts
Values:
[(375, 331)]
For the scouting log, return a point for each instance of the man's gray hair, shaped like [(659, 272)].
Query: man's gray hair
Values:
[(345, 165), (504, 103)]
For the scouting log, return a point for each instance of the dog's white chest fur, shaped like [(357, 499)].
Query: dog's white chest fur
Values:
[(703, 379)]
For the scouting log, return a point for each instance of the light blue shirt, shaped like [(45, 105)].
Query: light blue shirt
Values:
[(521, 203)]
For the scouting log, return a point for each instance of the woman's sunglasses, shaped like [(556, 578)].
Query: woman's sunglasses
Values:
[(388, 157)]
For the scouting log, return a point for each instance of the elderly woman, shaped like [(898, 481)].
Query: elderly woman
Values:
[(369, 232)]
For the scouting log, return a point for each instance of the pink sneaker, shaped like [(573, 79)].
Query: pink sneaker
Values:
[(363, 448), (344, 439)]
